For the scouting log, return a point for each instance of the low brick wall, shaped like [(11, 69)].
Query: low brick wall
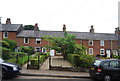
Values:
[(74, 69)]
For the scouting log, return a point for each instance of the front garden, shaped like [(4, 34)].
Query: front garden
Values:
[(20, 55)]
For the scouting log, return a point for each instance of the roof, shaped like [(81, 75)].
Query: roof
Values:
[(10, 27), (79, 35)]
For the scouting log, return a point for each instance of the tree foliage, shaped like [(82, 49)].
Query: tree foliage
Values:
[(29, 27), (5, 44), (65, 45), (26, 49), (12, 44)]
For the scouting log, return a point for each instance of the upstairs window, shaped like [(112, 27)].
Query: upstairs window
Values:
[(5, 35), (26, 40), (101, 42), (102, 52), (90, 42), (38, 40)]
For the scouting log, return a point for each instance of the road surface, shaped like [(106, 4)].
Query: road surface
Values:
[(42, 78)]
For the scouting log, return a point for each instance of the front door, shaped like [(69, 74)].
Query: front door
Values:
[(108, 53), (52, 52)]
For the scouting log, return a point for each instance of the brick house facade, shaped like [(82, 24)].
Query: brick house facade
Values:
[(96, 43)]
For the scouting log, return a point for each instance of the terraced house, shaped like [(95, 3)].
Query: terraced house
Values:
[(96, 43)]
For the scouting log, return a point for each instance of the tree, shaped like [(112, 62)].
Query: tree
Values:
[(12, 44), (5, 44), (65, 45), (29, 27), (26, 49)]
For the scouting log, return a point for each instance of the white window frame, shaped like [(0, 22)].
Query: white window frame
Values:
[(91, 51), (102, 42), (38, 39), (101, 51), (43, 48), (89, 42), (25, 40), (4, 35)]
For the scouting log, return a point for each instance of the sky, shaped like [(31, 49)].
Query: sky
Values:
[(78, 15)]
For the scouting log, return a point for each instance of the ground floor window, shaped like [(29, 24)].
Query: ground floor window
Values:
[(41, 49), (91, 51), (102, 51), (115, 52), (38, 49)]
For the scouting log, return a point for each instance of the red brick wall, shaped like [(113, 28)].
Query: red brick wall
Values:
[(32, 42), (11, 35), (96, 44), (108, 44)]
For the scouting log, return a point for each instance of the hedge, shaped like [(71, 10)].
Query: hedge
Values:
[(83, 60)]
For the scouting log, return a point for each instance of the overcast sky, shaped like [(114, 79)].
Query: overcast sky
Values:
[(78, 15)]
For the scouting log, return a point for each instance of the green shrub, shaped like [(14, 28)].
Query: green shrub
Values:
[(26, 49), (6, 54), (12, 44), (86, 60), (116, 57), (83, 60), (34, 62), (5, 44), (21, 60), (72, 59)]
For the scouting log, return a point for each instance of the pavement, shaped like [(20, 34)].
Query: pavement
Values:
[(56, 61)]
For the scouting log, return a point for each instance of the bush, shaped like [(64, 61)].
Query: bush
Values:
[(86, 60), (73, 58), (21, 60), (6, 53), (82, 60), (12, 44), (116, 57), (5, 44), (27, 49), (43, 57), (34, 62)]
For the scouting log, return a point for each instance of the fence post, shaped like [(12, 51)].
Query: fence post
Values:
[(38, 61), (49, 62), (16, 58), (28, 61)]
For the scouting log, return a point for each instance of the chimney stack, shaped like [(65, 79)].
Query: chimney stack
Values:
[(64, 28), (8, 21), (117, 31), (92, 29), (36, 27)]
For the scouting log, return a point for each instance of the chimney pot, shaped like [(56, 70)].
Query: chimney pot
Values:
[(64, 28), (92, 29), (36, 27), (8, 21), (117, 31)]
